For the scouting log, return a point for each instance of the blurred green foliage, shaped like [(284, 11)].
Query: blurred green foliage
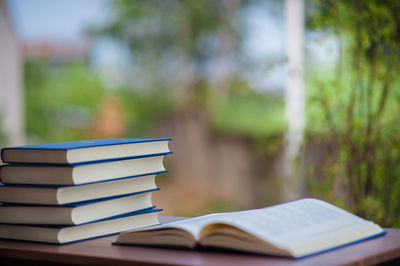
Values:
[(60, 100), (171, 42), (355, 106), (177, 44), (3, 135), (250, 114), (144, 110)]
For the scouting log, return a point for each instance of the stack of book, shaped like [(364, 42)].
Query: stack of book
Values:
[(72, 191)]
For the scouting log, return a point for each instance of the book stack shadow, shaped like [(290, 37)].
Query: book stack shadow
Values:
[(72, 191)]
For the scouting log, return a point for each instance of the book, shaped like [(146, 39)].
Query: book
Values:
[(295, 229), (84, 151), (68, 234), (74, 214), (61, 195), (83, 173)]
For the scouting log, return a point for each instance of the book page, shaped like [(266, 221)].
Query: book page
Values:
[(191, 225), (290, 222)]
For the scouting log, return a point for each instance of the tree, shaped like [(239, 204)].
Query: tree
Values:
[(360, 103), (167, 37)]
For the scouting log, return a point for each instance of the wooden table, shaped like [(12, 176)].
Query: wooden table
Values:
[(101, 252)]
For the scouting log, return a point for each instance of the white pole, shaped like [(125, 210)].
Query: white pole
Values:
[(294, 93)]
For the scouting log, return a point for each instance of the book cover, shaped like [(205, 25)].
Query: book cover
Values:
[(80, 173), (79, 203), (56, 234), (60, 195), (84, 144), (85, 151)]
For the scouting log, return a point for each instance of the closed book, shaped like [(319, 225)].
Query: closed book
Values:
[(74, 233), (82, 173), (84, 151), (74, 214), (61, 195)]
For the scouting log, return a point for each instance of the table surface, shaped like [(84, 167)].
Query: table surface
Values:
[(101, 251)]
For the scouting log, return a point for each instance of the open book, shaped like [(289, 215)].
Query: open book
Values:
[(295, 229)]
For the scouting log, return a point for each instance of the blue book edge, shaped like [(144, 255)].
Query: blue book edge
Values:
[(344, 245)]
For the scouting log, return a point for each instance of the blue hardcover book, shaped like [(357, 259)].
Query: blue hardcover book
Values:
[(74, 233), (85, 151), (80, 173), (64, 195), (75, 214)]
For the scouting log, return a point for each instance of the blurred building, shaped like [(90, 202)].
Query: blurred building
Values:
[(55, 51), (11, 93)]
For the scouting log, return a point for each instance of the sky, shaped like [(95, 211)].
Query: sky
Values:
[(55, 19)]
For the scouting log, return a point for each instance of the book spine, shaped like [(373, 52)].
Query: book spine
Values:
[(2, 155)]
